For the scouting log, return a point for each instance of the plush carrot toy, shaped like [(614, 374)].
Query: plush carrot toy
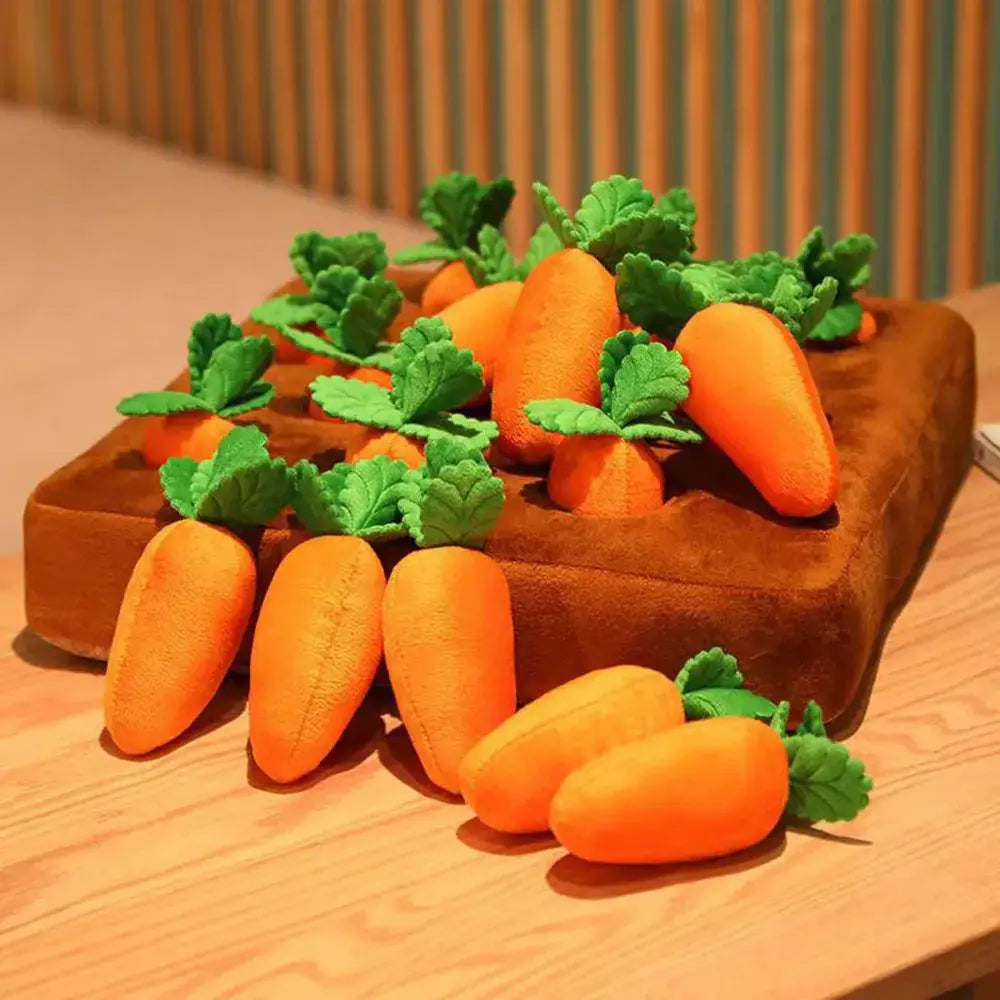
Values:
[(318, 640), (752, 393), (456, 206), (190, 596), (224, 369), (603, 465), (705, 789), (312, 253), (510, 776), (430, 377), (568, 308), (449, 634)]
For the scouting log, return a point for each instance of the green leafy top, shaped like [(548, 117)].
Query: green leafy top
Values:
[(848, 262), (456, 206), (240, 484), (663, 297), (493, 261), (312, 253), (619, 216), (642, 383), (454, 499), (355, 312), (361, 498), (430, 376), (711, 685), (224, 368)]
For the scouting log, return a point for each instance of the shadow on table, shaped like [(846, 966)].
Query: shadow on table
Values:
[(569, 876), (36, 652), (476, 834), (396, 753)]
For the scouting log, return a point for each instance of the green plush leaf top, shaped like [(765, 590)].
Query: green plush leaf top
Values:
[(224, 368), (616, 217), (455, 499), (493, 262), (430, 376), (825, 783), (457, 207), (360, 499), (312, 252), (240, 484), (356, 312), (711, 685), (848, 262), (642, 383)]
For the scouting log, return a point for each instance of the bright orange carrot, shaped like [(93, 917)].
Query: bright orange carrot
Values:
[(409, 313), (700, 790), (186, 608), (285, 352), (449, 651), (183, 435), (316, 647), (446, 286), (867, 331), (371, 441), (564, 315), (752, 392), (511, 775)]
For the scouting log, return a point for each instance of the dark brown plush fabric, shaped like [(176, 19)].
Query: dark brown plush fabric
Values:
[(803, 605)]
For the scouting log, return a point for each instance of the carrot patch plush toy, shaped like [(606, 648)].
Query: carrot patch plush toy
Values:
[(224, 369), (449, 634), (430, 377), (456, 206), (188, 602), (312, 253), (603, 465), (568, 307)]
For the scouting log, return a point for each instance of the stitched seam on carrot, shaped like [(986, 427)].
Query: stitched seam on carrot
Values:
[(553, 721)]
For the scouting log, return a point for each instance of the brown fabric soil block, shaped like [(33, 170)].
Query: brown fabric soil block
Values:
[(804, 605)]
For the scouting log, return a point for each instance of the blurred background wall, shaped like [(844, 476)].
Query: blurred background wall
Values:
[(877, 115)]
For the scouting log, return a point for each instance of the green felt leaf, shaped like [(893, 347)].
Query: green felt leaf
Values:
[(367, 314), (161, 404), (447, 450), (608, 203), (493, 262), (459, 506), (333, 286), (556, 217), (476, 433), (672, 427), (234, 368), (208, 333), (543, 243), (812, 721), (847, 260), (677, 204), (424, 331), (312, 252), (651, 380), (663, 239), (175, 479), (448, 205), (711, 668), (256, 397), (315, 344), (432, 250), (613, 353), (440, 377), (838, 322), (290, 310), (779, 717), (825, 783), (492, 204), (355, 401), (567, 416), (312, 501), (711, 703), (655, 295)]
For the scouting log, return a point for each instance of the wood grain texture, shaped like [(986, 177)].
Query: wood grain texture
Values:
[(147, 34), (476, 66), (320, 57), (749, 177), (397, 107), (969, 96), (561, 127), (651, 101), (856, 165), (114, 60), (215, 96), (908, 165), (432, 69), (360, 107), (250, 85), (801, 128), (606, 154), (699, 116), (176, 876), (517, 143), (181, 75), (286, 126)]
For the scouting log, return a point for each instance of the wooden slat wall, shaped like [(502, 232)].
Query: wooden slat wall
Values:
[(371, 98)]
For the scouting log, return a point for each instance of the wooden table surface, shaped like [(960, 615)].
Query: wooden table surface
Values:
[(186, 876)]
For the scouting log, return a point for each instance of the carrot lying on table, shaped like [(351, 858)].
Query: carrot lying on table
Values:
[(190, 596), (511, 775)]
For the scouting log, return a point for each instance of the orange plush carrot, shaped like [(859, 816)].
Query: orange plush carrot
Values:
[(189, 600), (316, 647), (751, 391), (452, 283), (699, 790), (369, 442), (194, 435), (409, 313), (511, 775)]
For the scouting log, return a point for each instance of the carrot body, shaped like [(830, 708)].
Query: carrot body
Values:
[(408, 313), (605, 477), (285, 352), (752, 392), (446, 286), (186, 607), (868, 330), (511, 775), (564, 314), (183, 435), (316, 647), (372, 441), (479, 322), (449, 652), (701, 790)]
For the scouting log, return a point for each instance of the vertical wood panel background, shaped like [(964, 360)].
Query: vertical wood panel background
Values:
[(877, 115)]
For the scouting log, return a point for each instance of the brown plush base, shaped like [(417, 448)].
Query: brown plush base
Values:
[(803, 605)]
